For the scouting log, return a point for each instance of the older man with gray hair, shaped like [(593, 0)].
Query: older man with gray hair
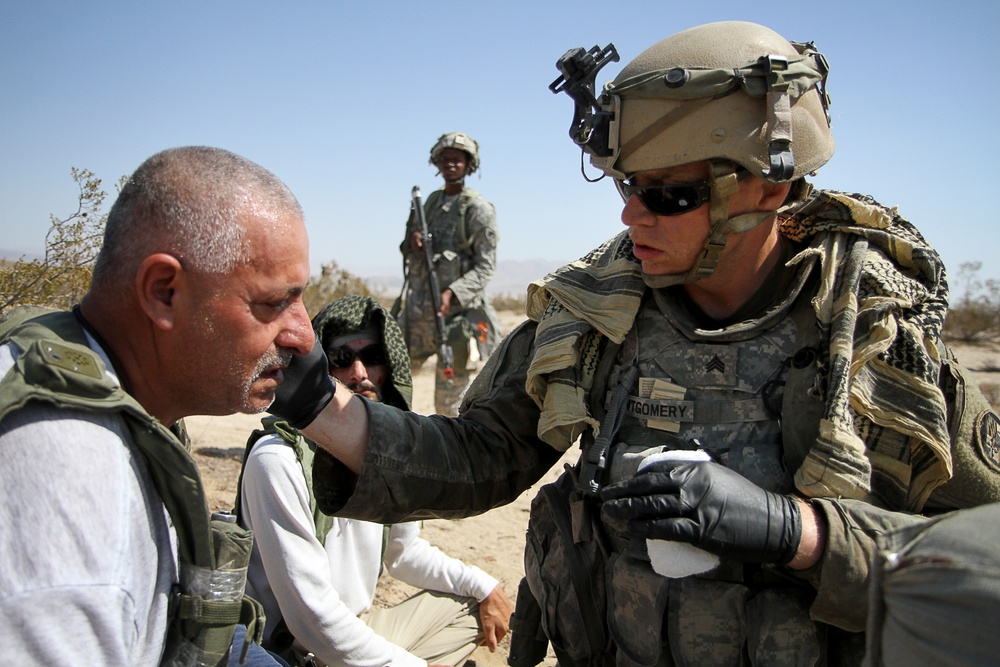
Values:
[(108, 555)]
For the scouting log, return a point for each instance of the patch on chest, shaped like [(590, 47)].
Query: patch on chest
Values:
[(712, 366)]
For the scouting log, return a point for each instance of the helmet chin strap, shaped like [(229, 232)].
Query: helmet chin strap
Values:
[(724, 183)]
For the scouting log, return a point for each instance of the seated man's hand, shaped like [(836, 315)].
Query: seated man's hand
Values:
[(709, 506), (494, 615)]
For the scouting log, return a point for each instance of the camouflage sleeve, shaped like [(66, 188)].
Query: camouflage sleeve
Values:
[(843, 574), (481, 221), (419, 467), (411, 226)]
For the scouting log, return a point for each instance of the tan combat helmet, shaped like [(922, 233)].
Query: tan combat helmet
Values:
[(731, 90), (733, 93), (461, 141)]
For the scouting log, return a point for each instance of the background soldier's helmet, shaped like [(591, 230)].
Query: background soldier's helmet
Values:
[(731, 90), (461, 141)]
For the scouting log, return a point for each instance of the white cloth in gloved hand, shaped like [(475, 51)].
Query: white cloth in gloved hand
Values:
[(678, 559)]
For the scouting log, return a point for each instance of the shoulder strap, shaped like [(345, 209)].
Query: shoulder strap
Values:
[(465, 200), (60, 369), (305, 452)]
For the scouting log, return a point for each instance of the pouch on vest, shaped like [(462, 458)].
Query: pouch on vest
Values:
[(564, 563), (210, 602), (528, 643)]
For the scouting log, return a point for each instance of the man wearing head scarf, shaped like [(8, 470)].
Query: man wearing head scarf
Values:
[(315, 574)]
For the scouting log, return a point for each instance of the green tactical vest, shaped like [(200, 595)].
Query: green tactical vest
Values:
[(305, 451), (57, 367)]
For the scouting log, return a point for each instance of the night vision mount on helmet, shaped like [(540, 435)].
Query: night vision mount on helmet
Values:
[(729, 90)]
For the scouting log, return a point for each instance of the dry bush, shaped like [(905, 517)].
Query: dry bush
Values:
[(507, 301), (333, 283), (974, 315), (62, 276)]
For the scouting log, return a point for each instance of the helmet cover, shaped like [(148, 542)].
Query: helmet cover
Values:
[(461, 141)]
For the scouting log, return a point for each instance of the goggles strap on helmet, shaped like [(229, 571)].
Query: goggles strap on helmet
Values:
[(779, 122)]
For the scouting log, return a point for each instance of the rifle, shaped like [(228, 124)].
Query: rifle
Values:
[(445, 354)]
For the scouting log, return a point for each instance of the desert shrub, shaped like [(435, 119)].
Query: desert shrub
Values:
[(974, 313), (334, 282), (62, 276), (508, 301)]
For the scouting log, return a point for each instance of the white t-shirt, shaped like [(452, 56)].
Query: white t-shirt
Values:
[(87, 553), (319, 589)]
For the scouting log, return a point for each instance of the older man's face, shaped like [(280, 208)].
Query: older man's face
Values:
[(361, 377), (247, 324)]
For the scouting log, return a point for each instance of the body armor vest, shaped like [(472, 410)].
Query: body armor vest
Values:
[(452, 240), (722, 392)]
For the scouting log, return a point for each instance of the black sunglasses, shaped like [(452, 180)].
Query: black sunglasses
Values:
[(370, 355), (670, 199)]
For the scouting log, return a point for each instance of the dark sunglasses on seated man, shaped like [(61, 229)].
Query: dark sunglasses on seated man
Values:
[(671, 199), (370, 355)]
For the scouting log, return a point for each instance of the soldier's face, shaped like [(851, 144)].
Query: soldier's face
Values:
[(453, 164), (670, 244), (667, 244)]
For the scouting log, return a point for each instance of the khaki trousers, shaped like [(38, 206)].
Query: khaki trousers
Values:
[(442, 629)]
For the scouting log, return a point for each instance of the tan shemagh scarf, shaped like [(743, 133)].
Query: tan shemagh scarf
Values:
[(881, 305)]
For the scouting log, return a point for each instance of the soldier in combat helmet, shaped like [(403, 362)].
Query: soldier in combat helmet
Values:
[(464, 231), (753, 369)]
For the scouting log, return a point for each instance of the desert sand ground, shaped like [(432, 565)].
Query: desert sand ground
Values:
[(493, 541)]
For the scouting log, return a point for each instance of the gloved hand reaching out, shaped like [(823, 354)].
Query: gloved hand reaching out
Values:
[(306, 388), (709, 506)]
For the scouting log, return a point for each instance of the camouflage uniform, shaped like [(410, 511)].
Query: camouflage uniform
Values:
[(465, 260), (749, 395)]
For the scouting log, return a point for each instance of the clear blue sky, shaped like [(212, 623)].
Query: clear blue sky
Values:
[(343, 100)]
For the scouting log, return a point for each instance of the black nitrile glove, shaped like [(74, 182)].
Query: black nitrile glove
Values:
[(306, 388), (709, 506)]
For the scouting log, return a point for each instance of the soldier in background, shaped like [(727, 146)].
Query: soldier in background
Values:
[(463, 227)]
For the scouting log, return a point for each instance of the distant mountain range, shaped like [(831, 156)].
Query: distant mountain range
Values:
[(512, 276)]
